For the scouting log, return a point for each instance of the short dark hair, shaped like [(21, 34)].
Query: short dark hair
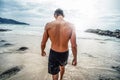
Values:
[(59, 12)]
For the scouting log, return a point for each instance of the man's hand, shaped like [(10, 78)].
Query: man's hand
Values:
[(43, 53), (74, 62)]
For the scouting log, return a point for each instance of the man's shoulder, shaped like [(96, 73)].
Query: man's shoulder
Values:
[(48, 25), (69, 24)]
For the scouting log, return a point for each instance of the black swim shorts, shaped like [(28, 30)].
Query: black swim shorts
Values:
[(57, 59)]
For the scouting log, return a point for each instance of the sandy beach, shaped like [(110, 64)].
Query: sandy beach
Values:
[(98, 58)]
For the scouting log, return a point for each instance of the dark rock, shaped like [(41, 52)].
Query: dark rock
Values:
[(11, 21), (117, 68), (102, 42), (2, 41), (22, 48), (118, 36), (107, 32), (7, 44), (10, 72), (3, 30), (115, 33), (106, 78), (93, 30), (103, 32)]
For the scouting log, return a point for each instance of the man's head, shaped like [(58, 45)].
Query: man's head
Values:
[(58, 12)]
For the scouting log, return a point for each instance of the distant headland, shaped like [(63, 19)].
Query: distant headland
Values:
[(11, 21)]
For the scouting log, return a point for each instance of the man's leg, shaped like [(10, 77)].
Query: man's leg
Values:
[(55, 77), (62, 70)]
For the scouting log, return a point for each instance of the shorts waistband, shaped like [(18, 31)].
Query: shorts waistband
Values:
[(59, 52)]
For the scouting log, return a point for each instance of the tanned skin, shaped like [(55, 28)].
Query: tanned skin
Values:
[(60, 32)]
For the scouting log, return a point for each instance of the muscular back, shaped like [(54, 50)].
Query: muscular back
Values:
[(59, 32)]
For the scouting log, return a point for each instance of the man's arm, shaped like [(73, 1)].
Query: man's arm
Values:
[(44, 40), (74, 46)]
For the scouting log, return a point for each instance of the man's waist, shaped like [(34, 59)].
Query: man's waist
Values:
[(60, 51)]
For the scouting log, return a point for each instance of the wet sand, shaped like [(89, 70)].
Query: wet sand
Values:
[(97, 59)]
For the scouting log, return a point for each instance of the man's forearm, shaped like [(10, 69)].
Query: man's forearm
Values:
[(42, 47), (74, 51)]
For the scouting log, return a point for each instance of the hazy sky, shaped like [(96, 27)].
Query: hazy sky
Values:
[(39, 11)]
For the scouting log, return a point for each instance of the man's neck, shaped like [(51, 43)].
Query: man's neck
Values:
[(59, 18)]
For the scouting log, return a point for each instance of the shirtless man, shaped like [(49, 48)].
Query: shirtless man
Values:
[(60, 32)]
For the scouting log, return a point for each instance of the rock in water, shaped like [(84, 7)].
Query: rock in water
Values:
[(22, 48), (7, 44), (10, 72), (3, 30), (115, 33), (2, 41), (107, 78), (117, 68)]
